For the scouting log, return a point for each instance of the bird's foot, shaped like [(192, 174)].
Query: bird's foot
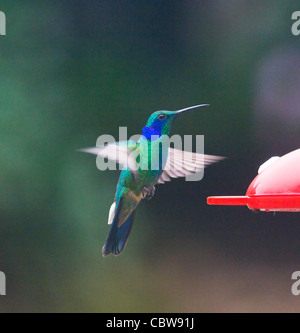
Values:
[(148, 193)]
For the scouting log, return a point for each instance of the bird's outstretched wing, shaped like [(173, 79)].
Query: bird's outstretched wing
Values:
[(123, 152), (183, 163)]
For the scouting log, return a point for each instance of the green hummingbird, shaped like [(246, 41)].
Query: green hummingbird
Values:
[(138, 177)]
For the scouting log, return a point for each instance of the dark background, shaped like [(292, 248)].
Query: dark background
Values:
[(73, 70)]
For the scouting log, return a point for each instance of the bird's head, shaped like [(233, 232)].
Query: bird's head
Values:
[(160, 122)]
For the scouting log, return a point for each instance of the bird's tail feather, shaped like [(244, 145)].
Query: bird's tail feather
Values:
[(117, 237)]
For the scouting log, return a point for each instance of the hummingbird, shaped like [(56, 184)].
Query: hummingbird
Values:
[(137, 181)]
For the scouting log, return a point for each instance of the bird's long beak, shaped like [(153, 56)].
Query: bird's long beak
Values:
[(190, 108)]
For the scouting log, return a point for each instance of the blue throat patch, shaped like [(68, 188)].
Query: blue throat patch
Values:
[(151, 133)]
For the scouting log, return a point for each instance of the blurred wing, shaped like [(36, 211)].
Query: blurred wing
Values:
[(123, 152), (183, 163)]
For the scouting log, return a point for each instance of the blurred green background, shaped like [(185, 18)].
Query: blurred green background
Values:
[(73, 70)]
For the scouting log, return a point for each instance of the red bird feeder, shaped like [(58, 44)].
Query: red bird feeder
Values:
[(275, 188)]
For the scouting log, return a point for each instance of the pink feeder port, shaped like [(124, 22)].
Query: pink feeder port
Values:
[(275, 188)]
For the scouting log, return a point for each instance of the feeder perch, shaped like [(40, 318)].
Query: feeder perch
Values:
[(275, 188)]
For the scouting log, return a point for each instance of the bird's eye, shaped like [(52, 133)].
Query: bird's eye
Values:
[(162, 116)]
